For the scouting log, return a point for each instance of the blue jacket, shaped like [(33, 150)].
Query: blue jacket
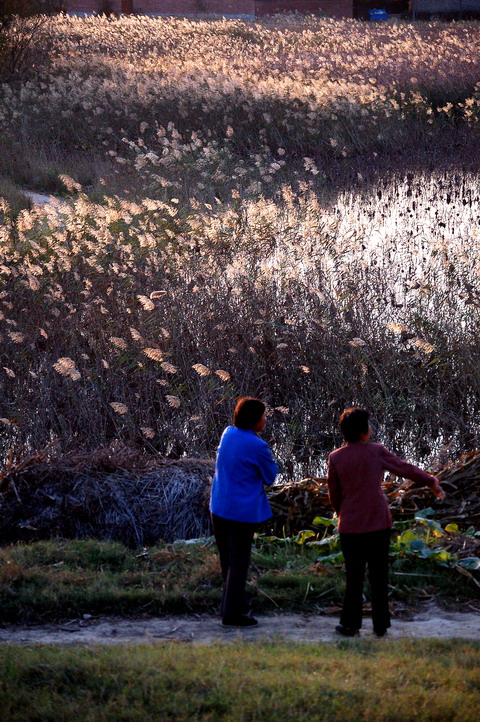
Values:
[(244, 464)]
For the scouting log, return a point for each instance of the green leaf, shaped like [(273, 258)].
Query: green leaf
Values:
[(273, 539), (443, 557), (417, 545), (470, 563), (322, 521), (328, 541), (402, 524), (426, 553), (424, 513), (407, 536), (432, 525), (452, 528), (302, 536), (331, 559)]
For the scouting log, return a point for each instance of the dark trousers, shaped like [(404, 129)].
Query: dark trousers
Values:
[(361, 550), (234, 541)]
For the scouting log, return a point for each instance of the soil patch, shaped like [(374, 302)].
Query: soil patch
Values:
[(41, 199)]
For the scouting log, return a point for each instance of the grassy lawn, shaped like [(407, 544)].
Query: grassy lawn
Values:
[(367, 680), (55, 580)]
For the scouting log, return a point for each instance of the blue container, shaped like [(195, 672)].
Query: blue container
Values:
[(377, 15)]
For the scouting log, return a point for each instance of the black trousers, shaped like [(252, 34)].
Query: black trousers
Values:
[(362, 550), (234, 541)]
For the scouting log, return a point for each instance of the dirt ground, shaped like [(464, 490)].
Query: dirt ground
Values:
[(431, 622), (40, 199)]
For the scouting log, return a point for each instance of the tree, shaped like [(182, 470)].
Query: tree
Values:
[(21, 22), (9, 9)]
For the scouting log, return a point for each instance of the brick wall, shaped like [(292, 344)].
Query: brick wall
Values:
[(195, 7), (447, 6), (88, 6), (339, 8), (173, 7)]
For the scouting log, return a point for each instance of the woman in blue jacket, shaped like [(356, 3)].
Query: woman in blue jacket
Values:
[(238, 503)]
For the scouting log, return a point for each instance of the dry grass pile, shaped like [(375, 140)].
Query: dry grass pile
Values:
[(462, 546), (461, 480), (295, 504), (121, 494), (116, 494)]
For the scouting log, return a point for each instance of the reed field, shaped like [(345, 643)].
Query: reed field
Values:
[(286, 208)]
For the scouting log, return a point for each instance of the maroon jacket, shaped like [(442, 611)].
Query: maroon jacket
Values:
[(355, 475)]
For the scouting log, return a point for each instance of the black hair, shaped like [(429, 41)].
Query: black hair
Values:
[(248, 412), (354, 423)]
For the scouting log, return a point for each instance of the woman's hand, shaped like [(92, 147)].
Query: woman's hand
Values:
[(437, 490)]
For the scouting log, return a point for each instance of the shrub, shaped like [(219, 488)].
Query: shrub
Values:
[(22, 40)]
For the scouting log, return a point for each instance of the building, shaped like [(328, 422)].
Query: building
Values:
[(452, 8), (251, 9), (245, 9)]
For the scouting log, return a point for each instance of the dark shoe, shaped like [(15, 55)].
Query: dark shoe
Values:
[(242, 621), (380, 632), (346, 631)]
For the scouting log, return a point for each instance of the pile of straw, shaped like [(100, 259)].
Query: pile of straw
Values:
[(461, 481), (112, 494), (120, 494), (297, 503)]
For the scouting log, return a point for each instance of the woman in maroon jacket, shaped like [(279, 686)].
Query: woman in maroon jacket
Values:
[(355, 475)]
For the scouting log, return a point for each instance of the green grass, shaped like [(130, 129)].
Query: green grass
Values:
[(364, 680), (54, 580)]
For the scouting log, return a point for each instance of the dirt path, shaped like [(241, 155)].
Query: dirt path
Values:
[(204, 629), (41, 199)]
